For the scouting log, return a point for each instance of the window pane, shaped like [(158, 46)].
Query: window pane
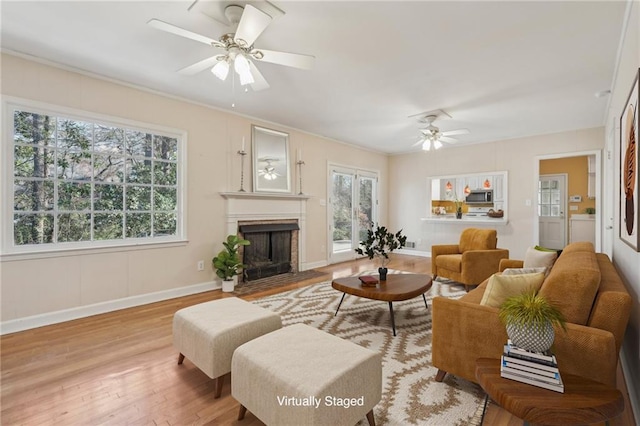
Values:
[(107, 226), (164, 223), (165, 148), (138, 198), (138, 225), (33, 161), (165, 198), (35, 195), (74, 135), (108, 168), (74, 165), (108, 140), (138, 143), (74, 196), (138, 171), (107, 197), (33, 128), (165, 173), (74, 227), (32, 229)]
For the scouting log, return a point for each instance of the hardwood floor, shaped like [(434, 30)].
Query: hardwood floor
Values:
[(121, 368)]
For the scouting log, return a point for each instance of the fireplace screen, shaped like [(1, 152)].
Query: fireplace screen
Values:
[(269, 253)]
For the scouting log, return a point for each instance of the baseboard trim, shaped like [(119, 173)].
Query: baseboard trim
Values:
[(49, 318), (413, 252), (314, 265), (632, 387)]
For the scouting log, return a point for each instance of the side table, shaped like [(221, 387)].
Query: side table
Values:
[(584, 401)]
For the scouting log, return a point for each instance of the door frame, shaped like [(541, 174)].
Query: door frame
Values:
[(598, 203), (358, 171), (564, 204)]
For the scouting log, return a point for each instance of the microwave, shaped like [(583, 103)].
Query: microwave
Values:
[(480, 196)]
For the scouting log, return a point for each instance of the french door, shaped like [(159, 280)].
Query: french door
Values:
[(353, 205), (551, 211)]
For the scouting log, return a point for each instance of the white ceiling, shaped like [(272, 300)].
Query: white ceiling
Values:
[(500, 69)]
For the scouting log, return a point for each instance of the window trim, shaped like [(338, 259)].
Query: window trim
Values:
[(7, 246)]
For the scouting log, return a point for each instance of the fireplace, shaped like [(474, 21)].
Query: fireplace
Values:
[(273, 249)]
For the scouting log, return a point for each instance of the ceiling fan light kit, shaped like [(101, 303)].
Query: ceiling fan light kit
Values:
[(240, 52), (431, 136)]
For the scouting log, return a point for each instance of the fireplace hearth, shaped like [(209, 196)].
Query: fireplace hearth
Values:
[(273, 248)]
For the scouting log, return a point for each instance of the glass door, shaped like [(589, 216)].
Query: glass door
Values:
[(353, 205), (551, 208)]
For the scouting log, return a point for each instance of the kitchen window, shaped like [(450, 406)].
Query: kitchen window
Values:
[(79, 182)]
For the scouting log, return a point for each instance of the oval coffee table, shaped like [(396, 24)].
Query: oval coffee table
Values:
[(396, 288)]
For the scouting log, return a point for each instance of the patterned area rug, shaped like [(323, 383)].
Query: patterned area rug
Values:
[(410, 395)]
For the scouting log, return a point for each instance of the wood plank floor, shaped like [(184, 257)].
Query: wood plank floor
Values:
[(120, 368)]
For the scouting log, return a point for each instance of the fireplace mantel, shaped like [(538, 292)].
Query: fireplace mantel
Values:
[(269, 195)]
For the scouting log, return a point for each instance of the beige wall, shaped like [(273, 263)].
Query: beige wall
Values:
[(626, 259), (409, 174), (72, 280)]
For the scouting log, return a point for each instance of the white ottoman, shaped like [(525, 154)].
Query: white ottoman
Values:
[(208, 333), (299, 375)]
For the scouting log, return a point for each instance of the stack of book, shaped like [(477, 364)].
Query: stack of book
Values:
[(534, 368)]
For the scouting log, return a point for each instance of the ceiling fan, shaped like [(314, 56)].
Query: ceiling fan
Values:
[(269, 171), (432, 137), (237, 48)]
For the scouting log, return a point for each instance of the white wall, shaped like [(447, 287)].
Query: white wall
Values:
[(78, 283), (409, 174), (627, 260)]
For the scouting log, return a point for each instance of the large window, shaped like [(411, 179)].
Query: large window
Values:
[(85, 183)]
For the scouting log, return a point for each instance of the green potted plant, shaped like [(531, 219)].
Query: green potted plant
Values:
[(379, 243), (227, 263), (529, 319)]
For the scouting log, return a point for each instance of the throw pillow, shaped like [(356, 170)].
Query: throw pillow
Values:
[(520, 271), (501, 287), (536, 258)]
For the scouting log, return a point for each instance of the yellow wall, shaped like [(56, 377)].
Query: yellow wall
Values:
[(576, 169)]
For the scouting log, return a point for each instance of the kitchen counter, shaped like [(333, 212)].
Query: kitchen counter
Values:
[(451, 219)]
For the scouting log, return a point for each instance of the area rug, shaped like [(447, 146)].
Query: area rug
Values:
[(410, 394)]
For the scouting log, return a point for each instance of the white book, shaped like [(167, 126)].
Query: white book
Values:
[(535, 376), (520, 363), (538, 383), (549, 358)]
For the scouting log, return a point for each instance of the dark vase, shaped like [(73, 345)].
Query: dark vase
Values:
[(459, 214), (383, 273)]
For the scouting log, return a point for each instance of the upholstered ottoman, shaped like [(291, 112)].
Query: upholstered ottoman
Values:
[(299, 375), (208, 333)]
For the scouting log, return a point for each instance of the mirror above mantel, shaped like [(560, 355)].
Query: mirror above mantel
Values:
[(481, 196)]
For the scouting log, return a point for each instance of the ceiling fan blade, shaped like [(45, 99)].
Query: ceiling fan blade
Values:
[(419, 142), (252, 23), (199, 66), (447, 139), (259, 82), (295, 60), (170, 28), (456, 132)]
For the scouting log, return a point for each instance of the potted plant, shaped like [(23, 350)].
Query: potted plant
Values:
[(227, 263), (529, 319), (379, 243)]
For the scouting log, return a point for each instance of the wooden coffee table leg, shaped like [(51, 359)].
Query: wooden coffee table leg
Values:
[(343, 295), (393, 321)]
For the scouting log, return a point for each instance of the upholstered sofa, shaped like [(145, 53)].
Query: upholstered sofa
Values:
[(583, 284), (472, 260)]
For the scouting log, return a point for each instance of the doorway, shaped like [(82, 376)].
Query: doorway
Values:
[(552, 190), (353, 205)]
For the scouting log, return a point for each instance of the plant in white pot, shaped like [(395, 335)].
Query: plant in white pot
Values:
[(379, 243), (227, 263), (529, 319)]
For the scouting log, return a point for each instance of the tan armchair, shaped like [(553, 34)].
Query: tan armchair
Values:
[(474, 259)]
